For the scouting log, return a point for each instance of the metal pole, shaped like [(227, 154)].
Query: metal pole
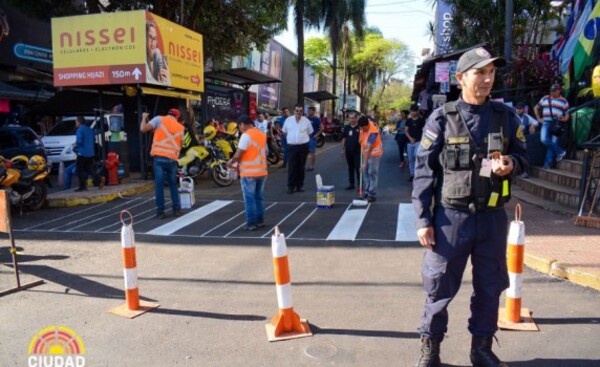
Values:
[(508, 31)]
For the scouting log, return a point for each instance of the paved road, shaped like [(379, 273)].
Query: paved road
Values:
[(361, 294)]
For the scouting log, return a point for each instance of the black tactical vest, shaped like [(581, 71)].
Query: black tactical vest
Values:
[(463, 188)]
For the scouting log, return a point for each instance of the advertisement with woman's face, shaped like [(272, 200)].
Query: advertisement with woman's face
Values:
[(157, 67)]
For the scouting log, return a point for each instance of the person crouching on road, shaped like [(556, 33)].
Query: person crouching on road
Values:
[(166, 145), (252, 158), (468, 152), (371, 150), (84, 147)]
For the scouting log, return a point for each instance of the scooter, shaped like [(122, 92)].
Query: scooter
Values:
[(332, 132), (25, 180)]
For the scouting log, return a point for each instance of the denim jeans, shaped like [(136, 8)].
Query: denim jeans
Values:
[(253, 189), (370, 176), (551, 143), (412, 149), (165, 166)]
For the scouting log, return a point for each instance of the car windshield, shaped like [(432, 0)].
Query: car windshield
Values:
[(30, 138), (64, 127)]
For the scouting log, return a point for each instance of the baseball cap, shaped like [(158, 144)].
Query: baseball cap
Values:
[(174, 112), (476, 59), (555, 86)]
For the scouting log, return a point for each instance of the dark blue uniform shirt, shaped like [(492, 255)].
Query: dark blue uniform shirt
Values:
[(351, 134), (428, 179)]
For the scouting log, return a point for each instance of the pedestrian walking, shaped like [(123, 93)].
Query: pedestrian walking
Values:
[(85, 142), (552, 112), (312, 143), (279, 126), (351, 149), (252, 158), (414, 131), (166, 145), (372, 150), (297, 129), (400, 136), (469, 150)]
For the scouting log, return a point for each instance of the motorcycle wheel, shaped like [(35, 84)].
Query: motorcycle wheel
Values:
[(272, 157), (320, 141), (38, 198), (220, 175)]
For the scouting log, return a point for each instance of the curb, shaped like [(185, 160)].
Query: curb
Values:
[(61, 202), (579, 276)]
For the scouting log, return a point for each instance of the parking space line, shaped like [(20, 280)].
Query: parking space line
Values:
[(88, 221), (177, 224), (284, 219), (349, 224), (405, 227), (232, 218), (304, 221)]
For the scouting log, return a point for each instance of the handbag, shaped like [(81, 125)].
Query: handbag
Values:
[(557, 128)]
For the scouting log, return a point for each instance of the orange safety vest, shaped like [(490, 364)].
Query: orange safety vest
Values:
[(167, 138), (253, 162), (377, 146)]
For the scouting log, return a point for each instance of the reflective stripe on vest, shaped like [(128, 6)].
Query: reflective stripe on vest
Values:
[(253, 162), (377, 146), (167, 138)]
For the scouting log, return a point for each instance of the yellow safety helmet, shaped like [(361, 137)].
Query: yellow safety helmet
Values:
[(36, 163), (232, 127), (209, 132)]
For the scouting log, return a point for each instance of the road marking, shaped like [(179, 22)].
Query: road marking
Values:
[(304, 221), (349, 224), (230, 219), (177, 224), (281, 221), (87, 221), (405, 227)]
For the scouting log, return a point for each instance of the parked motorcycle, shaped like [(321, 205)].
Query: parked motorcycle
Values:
[(275, 151), (205, 157), (331, 131), (24, 178)]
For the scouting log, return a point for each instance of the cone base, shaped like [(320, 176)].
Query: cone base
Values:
[(525, 324), (124, 311), (288, 335)]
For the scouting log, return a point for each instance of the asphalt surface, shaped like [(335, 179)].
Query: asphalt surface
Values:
[(360, 289)]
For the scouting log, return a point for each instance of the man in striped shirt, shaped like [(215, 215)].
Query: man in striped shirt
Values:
[(552, 109)]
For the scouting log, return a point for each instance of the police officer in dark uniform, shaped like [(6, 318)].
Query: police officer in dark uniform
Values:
[(469, 151)]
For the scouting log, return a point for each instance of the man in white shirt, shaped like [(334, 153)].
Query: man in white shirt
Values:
[(261, 123), (297, 130)]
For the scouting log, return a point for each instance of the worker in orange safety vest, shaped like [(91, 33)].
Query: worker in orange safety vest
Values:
[(371, 150)]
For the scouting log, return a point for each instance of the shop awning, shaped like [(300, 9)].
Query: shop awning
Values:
[(73, 101), (170, 93), (241, 76), (321, 95), (14, 93)]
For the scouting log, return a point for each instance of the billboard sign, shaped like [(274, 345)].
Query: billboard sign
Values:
[(443, 27), (126, 47), (270, 64)]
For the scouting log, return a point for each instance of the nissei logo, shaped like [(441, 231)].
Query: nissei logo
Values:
[(56, 346)]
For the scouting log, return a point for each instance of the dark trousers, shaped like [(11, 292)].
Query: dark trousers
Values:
[(296, 162), (84, 166), (353, 161), (402, 142), (458, 235)]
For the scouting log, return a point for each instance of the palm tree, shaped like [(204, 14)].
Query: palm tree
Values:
[(335, 15), (306, 14)]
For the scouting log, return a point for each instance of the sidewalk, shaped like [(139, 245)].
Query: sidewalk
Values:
[(553, 244)]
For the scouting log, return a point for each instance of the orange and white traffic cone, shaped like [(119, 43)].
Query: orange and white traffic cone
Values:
[(513, 317), (133, 306), (286, 324)]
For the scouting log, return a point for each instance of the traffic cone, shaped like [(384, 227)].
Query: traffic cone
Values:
[(286, 324), (513, 317), (133, 306), (61, 174)]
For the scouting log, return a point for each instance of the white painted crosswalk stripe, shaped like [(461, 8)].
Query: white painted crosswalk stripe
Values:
[(349, 224), (179, 223), (405, 226)]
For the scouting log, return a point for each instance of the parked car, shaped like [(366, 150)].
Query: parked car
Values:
[(60, 140), (20, 140)]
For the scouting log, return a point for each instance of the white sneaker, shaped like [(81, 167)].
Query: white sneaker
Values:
[(561, 156)]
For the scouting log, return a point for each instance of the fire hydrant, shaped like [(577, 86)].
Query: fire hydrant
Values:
[(112, 164)]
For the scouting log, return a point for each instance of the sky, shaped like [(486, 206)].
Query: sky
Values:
[(404, 20)]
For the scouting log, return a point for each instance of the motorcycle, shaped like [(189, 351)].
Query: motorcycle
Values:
[(332, 132), (202, 158), (24, 178), (274, 149)]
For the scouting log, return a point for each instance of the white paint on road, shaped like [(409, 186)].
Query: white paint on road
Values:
[(349, 224), (405, 226), (191, 217)]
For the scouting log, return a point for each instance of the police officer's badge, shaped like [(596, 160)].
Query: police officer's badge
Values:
[(426, 142), (520, 134)]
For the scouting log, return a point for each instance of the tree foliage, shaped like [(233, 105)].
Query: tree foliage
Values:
[(229, 27), (396, 95)]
